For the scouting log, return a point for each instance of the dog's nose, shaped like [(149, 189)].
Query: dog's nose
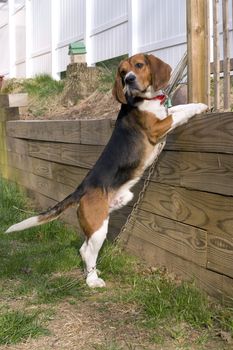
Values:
[(129, 79)]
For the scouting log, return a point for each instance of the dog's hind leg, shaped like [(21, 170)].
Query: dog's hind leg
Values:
[(89, 252), (93, 218)]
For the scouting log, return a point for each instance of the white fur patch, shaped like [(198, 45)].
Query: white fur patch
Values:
[(31, 222), (123, 195), (154, 107)]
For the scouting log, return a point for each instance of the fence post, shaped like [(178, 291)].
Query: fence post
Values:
[(28, 29), (197, 34), (11, 23), (226, 55), (132, 27), (87, 33), (54, 37)]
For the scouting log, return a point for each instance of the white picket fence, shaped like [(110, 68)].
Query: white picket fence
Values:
[(35, 34)]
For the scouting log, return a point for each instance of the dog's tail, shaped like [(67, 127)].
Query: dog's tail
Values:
[(50, 214)]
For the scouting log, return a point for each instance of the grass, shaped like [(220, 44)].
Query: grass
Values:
[(41, 266), (108, 68), (44, 92), (16, 326)]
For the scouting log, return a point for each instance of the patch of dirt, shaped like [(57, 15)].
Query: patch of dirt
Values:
[(97, 105)]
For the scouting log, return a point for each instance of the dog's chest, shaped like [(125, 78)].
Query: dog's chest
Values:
[(153, 106)]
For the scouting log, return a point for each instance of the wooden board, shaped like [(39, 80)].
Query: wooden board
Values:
[(96, 132), (47, 130), (186, 241), (90, 132), (208, 211), (11, 113), (17, 145), (13, 100), (47, 187), (83, 156), (210, 172), (213, 283), (204, 133), (220, 253), (66, 174)]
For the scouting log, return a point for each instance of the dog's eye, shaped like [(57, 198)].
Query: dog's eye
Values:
[(123, 72), (139, 65)]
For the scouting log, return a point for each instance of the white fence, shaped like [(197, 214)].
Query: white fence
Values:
[(35, 34)]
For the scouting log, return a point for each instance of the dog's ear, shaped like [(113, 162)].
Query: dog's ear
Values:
[(118, 91), (160, 71)]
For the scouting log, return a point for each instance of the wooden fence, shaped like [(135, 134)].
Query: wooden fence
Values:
[(200, 19), (185, 221)]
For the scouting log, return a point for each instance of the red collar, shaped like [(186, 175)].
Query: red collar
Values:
[(162, 98)]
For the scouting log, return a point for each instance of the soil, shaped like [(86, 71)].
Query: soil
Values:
[(97, 105)]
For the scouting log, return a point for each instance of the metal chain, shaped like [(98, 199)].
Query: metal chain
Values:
[(132, 215)]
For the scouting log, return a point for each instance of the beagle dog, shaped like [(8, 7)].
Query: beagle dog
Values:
[(141, 126)]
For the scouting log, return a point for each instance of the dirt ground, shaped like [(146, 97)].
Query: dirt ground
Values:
[(91, 325), (97, 105)]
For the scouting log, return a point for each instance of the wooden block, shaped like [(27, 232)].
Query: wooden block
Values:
[(220, 253), (208, 211), (214, 284), (204, 133), (83, 156), (95, 132), (117, 220), (210, 172), (47, 187), (46, 130), (11, 113), (17, 145), (186, 241), (13, 100)]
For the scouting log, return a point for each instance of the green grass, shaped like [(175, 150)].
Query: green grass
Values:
[(43, 91), (16, 326), (109, 68), (42, 266)]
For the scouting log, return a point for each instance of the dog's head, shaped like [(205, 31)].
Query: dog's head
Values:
[(140, 76)]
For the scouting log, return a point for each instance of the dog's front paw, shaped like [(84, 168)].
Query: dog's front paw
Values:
[(95, 282), (201, 107)]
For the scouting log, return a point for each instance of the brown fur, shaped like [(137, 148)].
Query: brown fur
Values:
[(92, 211)]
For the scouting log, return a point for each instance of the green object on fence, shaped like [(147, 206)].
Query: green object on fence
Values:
[(77, 48)]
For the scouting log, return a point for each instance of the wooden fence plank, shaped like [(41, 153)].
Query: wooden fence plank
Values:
[(205, 133), (210, 172), (216, 63), (47, 130), (47, 187), (66, 174), (17, 145), (226, 55), (213, 283), (90, 132), (186, 241), (220, 253), (196, 31), (73, 154), (96, 132), (208, 211)]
